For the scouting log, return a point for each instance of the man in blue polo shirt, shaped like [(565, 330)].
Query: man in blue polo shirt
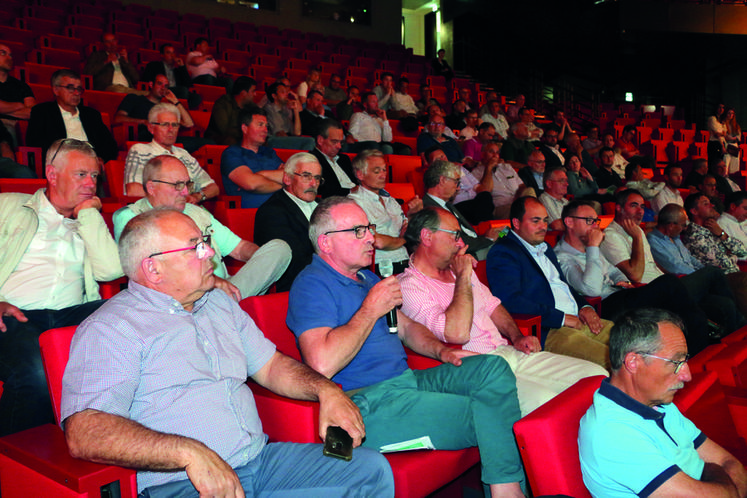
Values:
[(252, 170), (634, 441), (337, 309)]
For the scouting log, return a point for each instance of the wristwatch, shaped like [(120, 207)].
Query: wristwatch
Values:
[(203, 196)]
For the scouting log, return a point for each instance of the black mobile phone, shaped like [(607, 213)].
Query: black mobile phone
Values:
[(338, 444)]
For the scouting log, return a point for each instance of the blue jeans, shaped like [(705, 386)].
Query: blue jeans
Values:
[(25, 401), (295, 470)]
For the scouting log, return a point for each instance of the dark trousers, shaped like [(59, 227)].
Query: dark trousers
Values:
[(478, 209), (710, 289), (25, 400), (669, 293)]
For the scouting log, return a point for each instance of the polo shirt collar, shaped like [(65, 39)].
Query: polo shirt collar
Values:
[(617, 396), (362, 275)]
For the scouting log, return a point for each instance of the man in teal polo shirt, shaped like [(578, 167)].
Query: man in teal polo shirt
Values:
[(634, 441), (166, 182)]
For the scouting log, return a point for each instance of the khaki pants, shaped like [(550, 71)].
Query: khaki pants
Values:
[(581, 343)]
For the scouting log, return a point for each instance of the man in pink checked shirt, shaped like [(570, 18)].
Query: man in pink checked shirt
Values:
[(441, 291)]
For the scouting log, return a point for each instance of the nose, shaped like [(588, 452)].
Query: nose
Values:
[(460, 243), (685, 374), (90, 181)]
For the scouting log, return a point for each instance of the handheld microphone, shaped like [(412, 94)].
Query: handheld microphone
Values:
[(386, 269)]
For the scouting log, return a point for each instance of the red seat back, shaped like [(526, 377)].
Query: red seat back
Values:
[(547, 440), (55, 351), (269, 312)]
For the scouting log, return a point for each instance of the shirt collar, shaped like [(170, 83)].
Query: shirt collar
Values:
[(617, 396), (536, 251), (162, 300), (362, 274)]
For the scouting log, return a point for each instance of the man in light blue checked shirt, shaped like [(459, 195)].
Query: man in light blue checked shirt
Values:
[(157, 381)]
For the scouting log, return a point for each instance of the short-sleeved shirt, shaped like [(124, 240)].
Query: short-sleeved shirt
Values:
[(629, 449), (138, 107), (14, 90), (323, 297), (142, 356), (617, 247), (265, 159), (386, 213), (140, 154)]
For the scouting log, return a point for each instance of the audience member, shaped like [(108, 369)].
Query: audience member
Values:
[(204, 69), (442, 181), (669, 252), (440, 66), (533, 174), (426, 100), (370, 129), (618, 161), (224, 126), (313, 115), (473, 146), (733, 138), (284, 120), (344, 336), (574, 148), (590, 274), (382, 209), (512, 111), (251, 169), (130, 391), (9, 168), (172, 66), (712, 246), (472, 121), (385, 92), (551, 150), (166, 182), (285, 215), (607, 177), (313, 81), (506, 184), (16, 97), (441, 291), (592, 143), (724, 185), (434, 135), (346, 107), (55, 246), (516, 149), (560, 124), (67, 118), (457, 119), (403, 107), (490, 95), (555, 181), (163, 124), (582, 185), (633, 440), (670, 194), (635, 180), (337, 169), (111, 69), (695, 178), (717, 133), (526, 116), (465, 94), (135, 108), (333, 93), (709, 188), (523, 272), (732, 221), (626, 144)]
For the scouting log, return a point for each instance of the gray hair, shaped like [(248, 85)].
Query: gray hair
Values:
[(321, 219), (360, 163), (63, 73), (669, 214), (141, 237), (163, 107), (62, 147), (439, 168), (428, 217), (152, 168), (637, 331), (299, 158)]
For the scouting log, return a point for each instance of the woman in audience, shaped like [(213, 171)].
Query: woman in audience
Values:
[(733, 137), (716, 141)]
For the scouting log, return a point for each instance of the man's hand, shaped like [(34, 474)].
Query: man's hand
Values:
[(7, 309), (294, 105), (596, 236), (624, 285), (381, 114), (585, 173), (178, 62), (211, 475), (169, 95), (588, 316), (93, 202), (454, 356), (462, 264), (631, 228), (194, 198), (383, 296), (112, 57), (228, 288), (493, 233), (528, 344), (123, 54), (713, 227), (336, 409), (414, 205)]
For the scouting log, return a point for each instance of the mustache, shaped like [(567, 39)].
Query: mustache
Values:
[(678, 385), (310, 190)]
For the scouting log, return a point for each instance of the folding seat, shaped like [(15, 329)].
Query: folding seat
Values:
[(342, 59), (643, 134), (665, 134), (313, 38), (264, 73), (352, 51), (331, 68), (21, 185), (55, 57), (246, 36), (314, 57), (676, 124), (188, 38), (209, 93), (104, 102), (436, 81), (220, 22), (61, 42), (208, 156), (240, 221), (140, 9), (125, 16), (360, 72), (42, 12), (131, 41), (40, 74), (42, 92), (286, 53), (237, 68), (258, 48), (194, 18), (686, 135), (265, 29), (285, 154), (85, 33), (337, 40), (215, 32), (165, 14), (240, 56), (31, 157), (39, 26), (680, 150), (363, 84), (326, 47), (416, 474), (156, 23), (366, 62), (24, 36), (373, 53), (420, 60), (267, 60), (299, 64), (400, 166), (161, 32), (97, 10), (156, 43), (391, 66), (414, 78), (272, 40), (293, 34), (222, 44), (190, 27), (122, 27)]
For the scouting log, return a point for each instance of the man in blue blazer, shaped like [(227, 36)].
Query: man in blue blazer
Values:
[(524, 273)]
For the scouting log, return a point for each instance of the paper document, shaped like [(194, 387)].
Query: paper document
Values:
[(421, 443)]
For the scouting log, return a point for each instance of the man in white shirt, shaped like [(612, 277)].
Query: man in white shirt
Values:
[(497, 118), (732, 221), (163, 123), (670, 194), (55, 248), (337, 169), (555, 181), (111, 69), (506, 184), (370, 128)]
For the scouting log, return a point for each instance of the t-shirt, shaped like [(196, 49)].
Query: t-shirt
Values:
[(264, 159), (138, 107)]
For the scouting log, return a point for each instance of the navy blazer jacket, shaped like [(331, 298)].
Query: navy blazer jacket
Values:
[(518, 281)]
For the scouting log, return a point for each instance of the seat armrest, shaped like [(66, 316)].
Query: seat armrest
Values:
[(286, 419)]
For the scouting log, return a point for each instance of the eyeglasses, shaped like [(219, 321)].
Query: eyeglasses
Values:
[(166, 125), (458, 181), (72, 88), (178, 186), (360, 230), (589, 220), (307, 177), (436, 124), (201, 249), (456, 233), (74, 142), (677, 364)]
